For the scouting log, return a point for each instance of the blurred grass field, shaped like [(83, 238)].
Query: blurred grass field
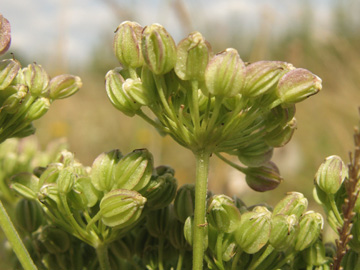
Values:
[(325, 122)]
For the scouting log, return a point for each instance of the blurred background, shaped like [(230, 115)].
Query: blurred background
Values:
[(75, 36)]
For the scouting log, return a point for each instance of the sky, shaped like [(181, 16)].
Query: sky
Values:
[(41, 28)]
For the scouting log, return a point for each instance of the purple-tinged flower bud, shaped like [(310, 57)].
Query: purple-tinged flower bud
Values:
[(225, 74), (121, 207), (192, 57), (127, 44), (261, 76), (64, 86), (264, 178), (297, 85), (54, 239), (222, 214), (36, 78), (28, 215), (255, 154), (315, 254), (158, 222), (158, 49), (253, 231), (281, 135), (310, 226), (40, 106), (9, 68), (294, 203), (283, 231), (184, 203), (5, 34), (134, 170), (331, 174), (102, 171)]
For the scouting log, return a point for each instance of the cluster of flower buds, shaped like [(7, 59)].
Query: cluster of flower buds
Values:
[(207, 101), (26, 93)]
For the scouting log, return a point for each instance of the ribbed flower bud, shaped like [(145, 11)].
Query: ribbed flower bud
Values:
[(136, 91), (315, 254), (281, 135), (36, 78), (331, 174), (297, 85), (222, 214), (350, 260), (29, 215), (283, 231), (127, 44), (192, 57), (40, 106), (102, 170), (158, 49), (253, 231), (55, 240), (261, 76), (263, 178), (5, 34), (279, 116), (184, 203), (255, 154), (51, 173), (64, 86), (12, 103), (310, 226), (9, 68), (121, 207), (66, 180), (225, 74), (158, 222), (118, 97), (83, 194), (25, 184), (294, 203), (134, 170), (176, 236)]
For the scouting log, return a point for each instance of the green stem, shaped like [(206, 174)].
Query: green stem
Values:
[(263, 256), (335, 210), (103, 256), (15, 241), (219, 250), (202, 170), (161, 253), (236, 260), (180, 259), (232, 164)]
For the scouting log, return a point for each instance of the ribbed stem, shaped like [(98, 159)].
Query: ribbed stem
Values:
[(103, 256)]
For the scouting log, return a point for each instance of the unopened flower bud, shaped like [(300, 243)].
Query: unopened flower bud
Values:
[(5, 34), (12, 103), (66, 180), (297, 85), (294, 203), (102, 171), (331, 174), (253, 231), (25, 184), (189, 232), (40, 106), (176, 236), (83, 194), (350, 260), (9, 68), (279, 116), (263, 178), (29, 215), (184, 203), (36, 78), (158, 49), (135, 90), (222, 214), (127, 44), (261, 76), (283, 231), (255, 154), (315, 254), (281, 135), (25, 131), (192, 57), (225, 74), (55, 240), (51, 173), (158, 222), (310, 226), (134, 170), (121, 207), (64, 86), (118, 97)]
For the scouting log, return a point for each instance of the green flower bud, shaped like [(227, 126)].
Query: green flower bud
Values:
[(228, 244), (255, 154), (189, 232), (51, 173), (148, 83), (28, 215), (310, 226), (253, 231), (117, 95), (40, 106), (184, 203), (36, 78), (55, 240), (66, 180), (83, 194), (127, 44), (49, 196), (294, 203), (315, 254), (158, 49), (281, 135), (5, 34), (192, 57), (279, 116), (264, 178), (121, 207), (262, 76), (283, 231), (134, 170), (176, 236), (222, 214), (25, 184), (102, 171), (159, 222), (64, 86), (225, 74), (12, 103), (24, 132), (136, 91), (350, 260), (9, 68), (331, 174), (297, 85)]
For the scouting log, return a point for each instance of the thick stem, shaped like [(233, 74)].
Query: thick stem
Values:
[(15, 241), (202, 171), (103, 256)]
